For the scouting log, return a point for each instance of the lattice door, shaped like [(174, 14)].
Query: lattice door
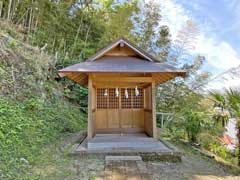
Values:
[(113, 99), (137, 101), (126, 102), (121, 112), (102, 101)]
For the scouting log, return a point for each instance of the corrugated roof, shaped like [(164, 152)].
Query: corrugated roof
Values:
[(121, 64)]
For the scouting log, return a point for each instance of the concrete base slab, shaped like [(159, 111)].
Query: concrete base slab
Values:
[(128, 145)]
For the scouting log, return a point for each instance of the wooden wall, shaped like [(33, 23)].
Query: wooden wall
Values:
[(118, 114), (148, 111), (121, 51), (126, 120)]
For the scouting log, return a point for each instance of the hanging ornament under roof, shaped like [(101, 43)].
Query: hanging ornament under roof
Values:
[(136, 91), (126, 93), (106, 92), (116, 92)]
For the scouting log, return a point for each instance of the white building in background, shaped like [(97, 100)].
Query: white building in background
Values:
[(231, 130)]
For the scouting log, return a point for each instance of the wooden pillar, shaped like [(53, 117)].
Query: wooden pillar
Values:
[(90, 120), (154, 123)]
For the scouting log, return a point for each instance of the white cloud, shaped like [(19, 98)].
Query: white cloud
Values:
[(219, 53), (223, 83), (173, 15)]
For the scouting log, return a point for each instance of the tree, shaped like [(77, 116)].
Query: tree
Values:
[(148, 33), (190, 117), (230, 100), (171, 94), (117, 20), (219, 102)]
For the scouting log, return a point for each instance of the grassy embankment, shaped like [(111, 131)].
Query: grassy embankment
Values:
[(34, 111)]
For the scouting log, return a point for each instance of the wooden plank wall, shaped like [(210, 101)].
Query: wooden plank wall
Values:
[(121, 51), (148, 125), (120, 119)]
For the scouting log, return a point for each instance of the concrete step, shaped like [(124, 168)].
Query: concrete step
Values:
[(122, 135), (121, 139), (123, 158), (121, 145)]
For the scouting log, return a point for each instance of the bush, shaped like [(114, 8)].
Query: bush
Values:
[(207, 139), (220, 150)]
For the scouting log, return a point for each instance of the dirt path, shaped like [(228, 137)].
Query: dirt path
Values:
[(190, 168), (125, 170), (57, 165)]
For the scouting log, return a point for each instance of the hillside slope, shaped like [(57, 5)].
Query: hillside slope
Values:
[(34, 109)]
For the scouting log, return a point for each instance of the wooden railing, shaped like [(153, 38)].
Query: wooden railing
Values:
[(163, 118)]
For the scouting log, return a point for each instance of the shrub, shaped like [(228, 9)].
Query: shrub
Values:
[(207, 139), (191, 122), (220, 150)]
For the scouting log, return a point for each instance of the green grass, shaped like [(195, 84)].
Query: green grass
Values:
[(54, 162), (27, 127)]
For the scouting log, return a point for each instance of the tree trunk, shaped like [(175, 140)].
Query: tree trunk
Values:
[(77, 34), (9, 9), (85, 42), (1, 8), (193, 138)]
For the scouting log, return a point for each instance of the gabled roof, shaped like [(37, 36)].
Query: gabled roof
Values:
[(132, 46), (121, 64), (105, 62)]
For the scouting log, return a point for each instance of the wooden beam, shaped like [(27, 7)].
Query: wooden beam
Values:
[(120, 85), (90, 120), (80, 78), (163, 77), (145, 86), (118, 74), (154, 110), (123, 79)]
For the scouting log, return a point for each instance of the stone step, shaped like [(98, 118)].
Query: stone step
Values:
[(123, 158), (115, 145), (122, 135), (120, 139)]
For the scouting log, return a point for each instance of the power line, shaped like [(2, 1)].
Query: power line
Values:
[(218, 76)]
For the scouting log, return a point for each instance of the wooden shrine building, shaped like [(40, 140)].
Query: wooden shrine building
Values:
[(121, 80)]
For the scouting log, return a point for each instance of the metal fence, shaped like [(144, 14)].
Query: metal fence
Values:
[(163, 118)]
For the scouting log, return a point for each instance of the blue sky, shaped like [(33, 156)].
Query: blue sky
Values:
[(222, 17), (219, 31)]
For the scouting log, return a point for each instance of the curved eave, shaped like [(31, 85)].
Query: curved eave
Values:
[(161, 72), (159, 77)]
